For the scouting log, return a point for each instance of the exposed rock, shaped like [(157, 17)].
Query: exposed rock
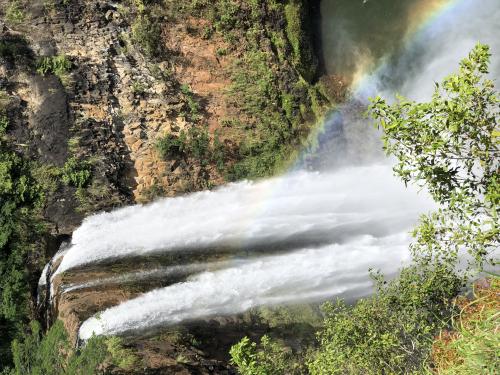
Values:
[(111, 108)]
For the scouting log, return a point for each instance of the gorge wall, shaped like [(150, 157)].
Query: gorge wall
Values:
[(109, 103)]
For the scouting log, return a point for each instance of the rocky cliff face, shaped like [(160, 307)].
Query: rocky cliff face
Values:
[(140, 72), (119, 102)]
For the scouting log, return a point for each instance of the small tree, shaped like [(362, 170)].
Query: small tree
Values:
[(268, 358), (450, 145)]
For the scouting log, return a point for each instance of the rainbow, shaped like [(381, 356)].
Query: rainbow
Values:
[(426, 17)]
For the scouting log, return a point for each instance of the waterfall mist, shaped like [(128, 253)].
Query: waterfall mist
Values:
[(308, 235), (370, 43)]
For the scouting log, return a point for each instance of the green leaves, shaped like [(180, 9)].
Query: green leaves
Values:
[(268, 358), (38, 354), (146, 33), (194, 143), (449, 146), (77, 173), (389, 332), (57, 65), (20, 194)]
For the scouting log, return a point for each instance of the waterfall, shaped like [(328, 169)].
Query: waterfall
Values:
[(305, 236)]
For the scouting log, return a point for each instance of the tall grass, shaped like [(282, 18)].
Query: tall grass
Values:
[(473, 346)]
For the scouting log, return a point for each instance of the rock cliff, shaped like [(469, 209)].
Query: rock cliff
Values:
[(121, 102)]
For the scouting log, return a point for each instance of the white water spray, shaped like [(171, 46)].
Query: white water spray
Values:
[(362, 214)]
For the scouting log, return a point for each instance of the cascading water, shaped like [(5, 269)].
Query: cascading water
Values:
[(305, 236)]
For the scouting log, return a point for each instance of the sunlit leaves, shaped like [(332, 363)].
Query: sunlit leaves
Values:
[(450, 146)]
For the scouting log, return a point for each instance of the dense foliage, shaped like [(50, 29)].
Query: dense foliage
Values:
[(268, 358), (450, 146), (38, 354), (77, 172), (390, 332), (19, 229)]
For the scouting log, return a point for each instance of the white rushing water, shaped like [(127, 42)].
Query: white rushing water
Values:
[(346, 222), (330, 227), (305, 208), (305, 275)]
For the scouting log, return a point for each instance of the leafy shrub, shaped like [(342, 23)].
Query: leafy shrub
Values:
[(58, 65), (268, 358), (194, 143), (121, 356), (450, 146), (227, 16), (390, 332), (52, 353), (77, 173), (193, 107), (170, 145), (146, 33)]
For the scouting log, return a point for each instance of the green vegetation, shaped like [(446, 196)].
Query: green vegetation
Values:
[(268, 358), (391, 331), (472, 346), (297, 31), (193, 143), (14, 13), (52, 353), (450, 146), (138, 88), (76, 172), (58, 65), (146, 33), (20, 198), (277, 119), (193, 107), (24, 187), (278, 99)]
